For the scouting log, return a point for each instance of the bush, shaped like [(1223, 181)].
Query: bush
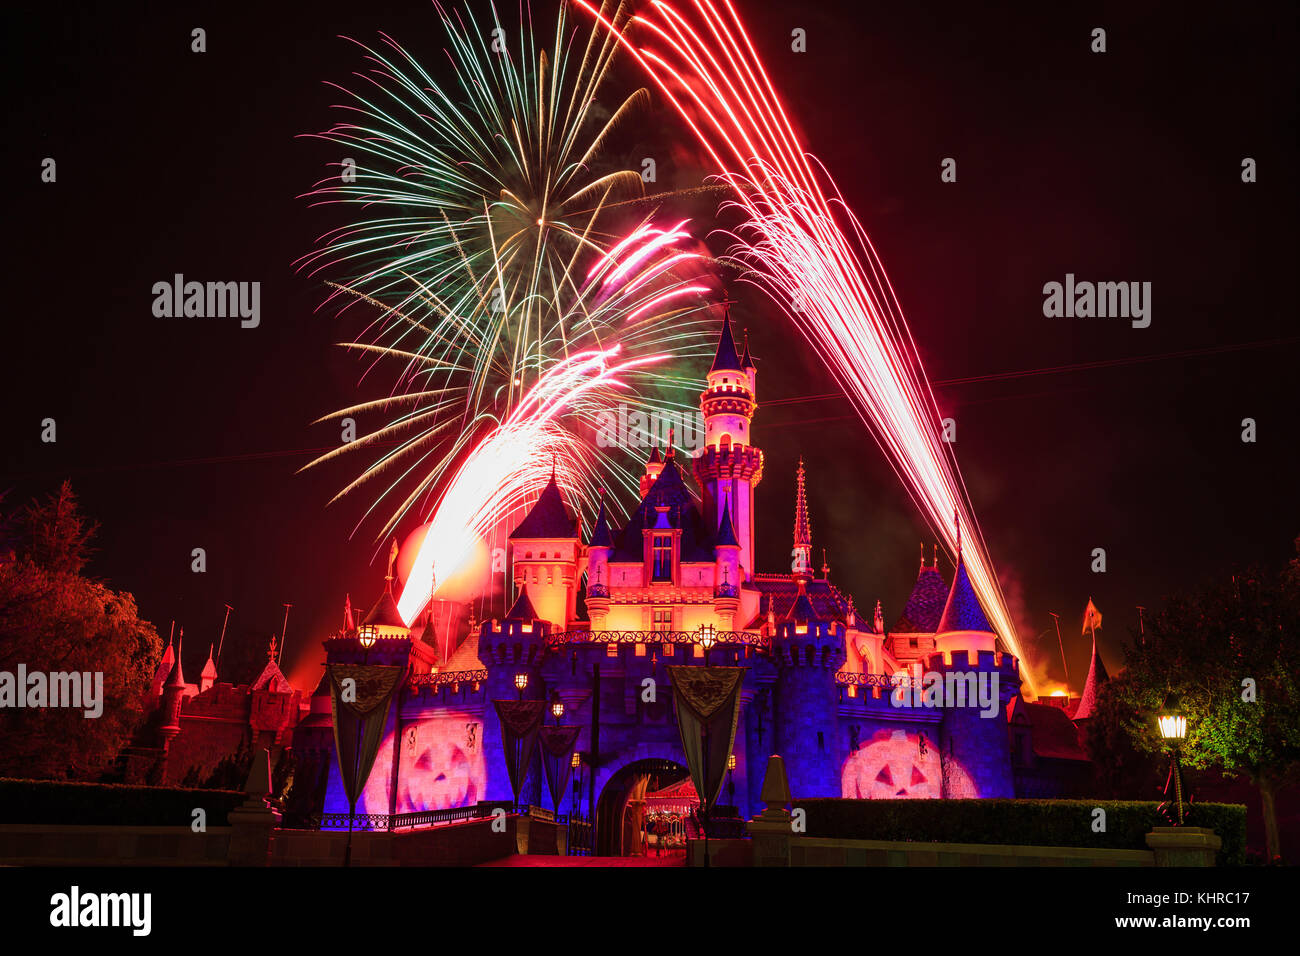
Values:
[(1020, 822), (100, 804)]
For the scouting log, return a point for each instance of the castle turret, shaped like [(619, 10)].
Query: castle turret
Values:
[(208, 677), (173, 696), (546, 547), (729, 468), (726, 573), (913, 635), (808, 649), (598, 552), (511, 648), (978, 683)]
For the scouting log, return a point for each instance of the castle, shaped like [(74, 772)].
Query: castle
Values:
[(852, 706), (823, 685)]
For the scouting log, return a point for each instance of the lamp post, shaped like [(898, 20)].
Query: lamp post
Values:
[(731, 783), (1173, 728), (521, 683), (557, 708)]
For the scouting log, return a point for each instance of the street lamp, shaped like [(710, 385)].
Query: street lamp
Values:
[(366, 635), (708, 637), (731, 783), (1173, 728), (521, 683), (557, 708)]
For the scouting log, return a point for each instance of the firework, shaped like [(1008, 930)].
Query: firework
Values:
[(507, 471), (486, 226), (829, 282)]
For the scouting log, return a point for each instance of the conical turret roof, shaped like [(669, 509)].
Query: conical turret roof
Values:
[(523, 609), (726, 359), (925, 605), (548, 517), (726, 530), (963, 611), (600, 536), (1096, 677)]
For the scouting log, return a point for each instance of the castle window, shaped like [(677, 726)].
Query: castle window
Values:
[(639, 650), (699, 650), (550, 575), (611, 650), (662, 620), (663, 557)]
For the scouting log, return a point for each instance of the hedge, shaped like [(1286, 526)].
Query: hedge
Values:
[(110, 804), (1017, 822)]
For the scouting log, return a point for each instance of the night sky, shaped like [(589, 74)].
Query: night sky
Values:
[(184, 433)]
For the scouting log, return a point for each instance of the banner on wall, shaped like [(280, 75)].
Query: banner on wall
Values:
[(360, 695), (521, 720), (708, 708), (557, 756)]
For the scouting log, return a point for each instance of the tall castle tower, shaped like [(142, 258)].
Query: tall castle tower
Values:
[(547, 551), (729, 468)]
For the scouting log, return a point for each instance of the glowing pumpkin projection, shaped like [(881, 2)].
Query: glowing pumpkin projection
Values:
[(893, 765), (441, 767)]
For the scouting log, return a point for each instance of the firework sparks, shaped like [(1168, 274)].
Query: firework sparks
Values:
[(830, 283), (507, 471)]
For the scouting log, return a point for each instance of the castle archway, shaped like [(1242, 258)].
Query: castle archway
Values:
[(621, 807)]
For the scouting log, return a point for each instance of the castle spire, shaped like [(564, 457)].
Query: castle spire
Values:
[(726, 358), (802, 565)]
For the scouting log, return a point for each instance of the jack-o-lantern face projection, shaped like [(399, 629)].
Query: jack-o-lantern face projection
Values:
[(892, 765), (442, 767)]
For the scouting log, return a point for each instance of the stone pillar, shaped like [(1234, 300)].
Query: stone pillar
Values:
[(252, 823), (770, 831), (1184, 846)]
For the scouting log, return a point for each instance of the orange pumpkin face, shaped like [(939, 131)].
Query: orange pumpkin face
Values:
[(442, 766), (892, 766)]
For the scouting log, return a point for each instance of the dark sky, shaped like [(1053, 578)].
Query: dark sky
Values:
[(183, 433)]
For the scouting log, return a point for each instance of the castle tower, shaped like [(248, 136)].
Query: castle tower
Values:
[(546, 548), (729, 467), (808, 649), (509, 647), (598, 552), (913, 635), (972, 738), (172, 697), (726, 573), (653, 469), (209, 675)]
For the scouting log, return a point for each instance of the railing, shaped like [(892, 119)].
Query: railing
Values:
[(877, 680), (581, 836), (441, 679), (387, 822), (654, 637)]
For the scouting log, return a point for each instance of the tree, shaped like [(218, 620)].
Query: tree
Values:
[(54, 620), (1231, 651)]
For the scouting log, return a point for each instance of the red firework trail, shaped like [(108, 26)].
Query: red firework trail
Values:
[(825, 277)]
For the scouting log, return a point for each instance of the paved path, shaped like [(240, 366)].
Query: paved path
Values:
[(668, 859)]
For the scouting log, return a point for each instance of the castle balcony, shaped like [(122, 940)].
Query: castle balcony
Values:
[(869, 695), (721, 638)]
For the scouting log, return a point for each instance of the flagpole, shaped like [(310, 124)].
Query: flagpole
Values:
[(1061, 644), (221, 643)]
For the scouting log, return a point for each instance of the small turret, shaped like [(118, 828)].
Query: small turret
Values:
[(802, 554), (208, 677)]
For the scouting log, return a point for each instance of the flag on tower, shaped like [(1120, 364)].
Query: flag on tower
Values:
[(348, 623), (1091, 617)]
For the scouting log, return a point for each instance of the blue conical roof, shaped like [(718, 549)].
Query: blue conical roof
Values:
[(726, 358), (523, 609), (600, 536), (963, 611), (726, 530)]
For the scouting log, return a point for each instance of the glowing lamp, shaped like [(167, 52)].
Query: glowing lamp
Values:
[(521, 682), (708, 636), (731, 762), (557, 708), (367, 634), (576, 760)]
